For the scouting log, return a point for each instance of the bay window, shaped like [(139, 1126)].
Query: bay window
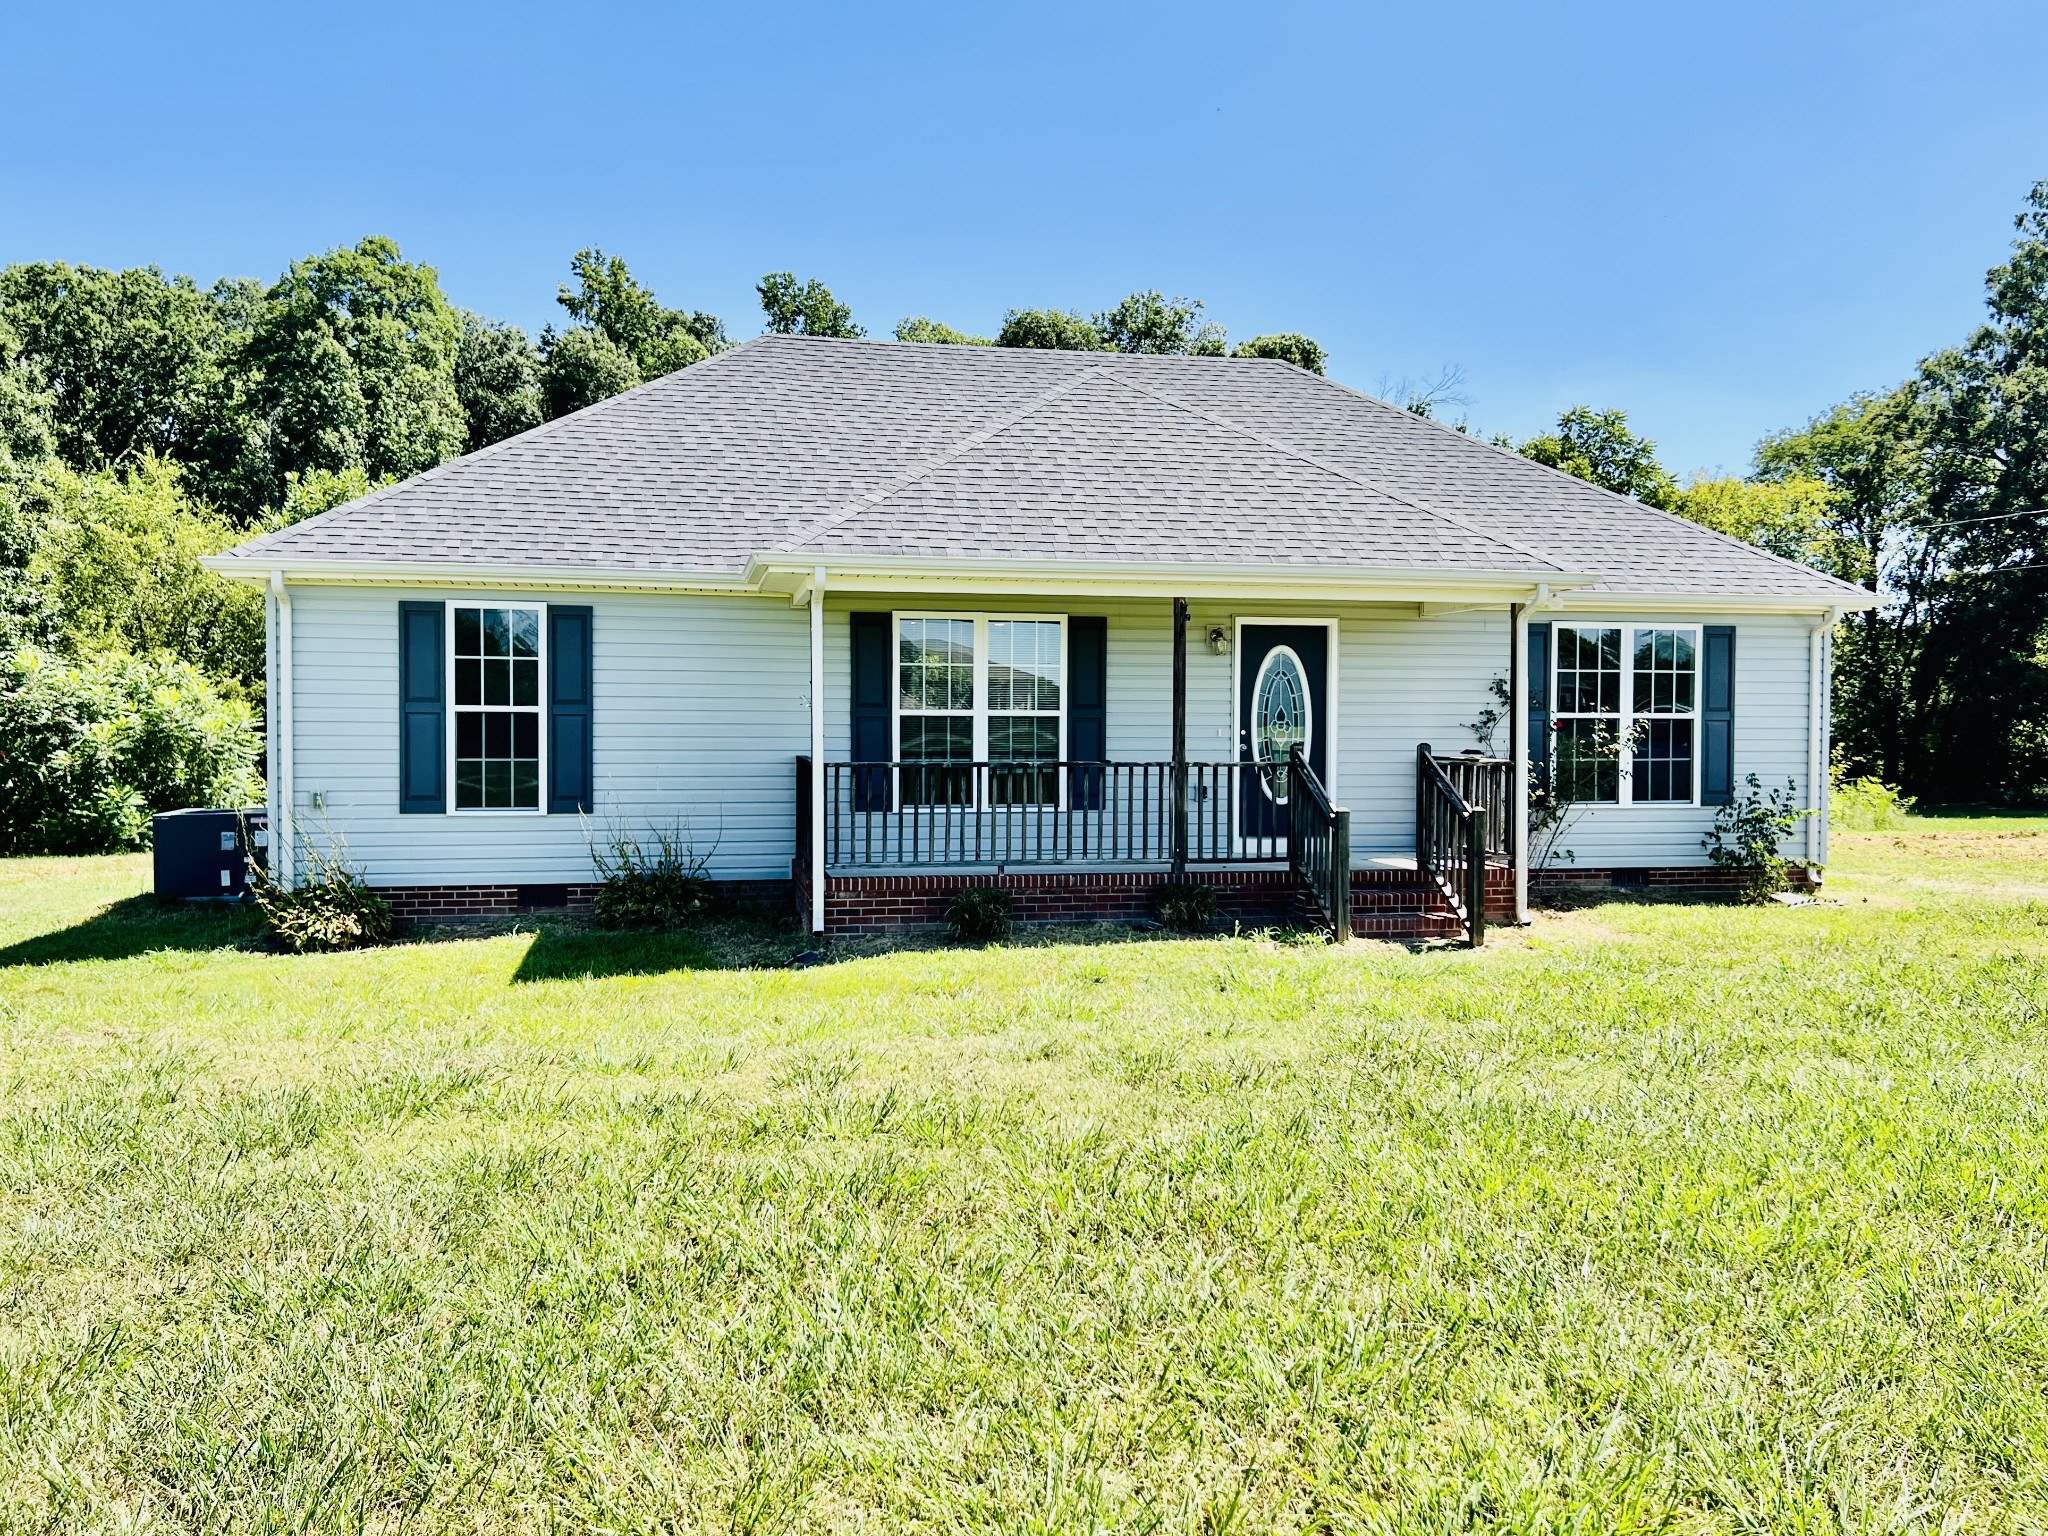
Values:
[(985, 689), (1626, 714)]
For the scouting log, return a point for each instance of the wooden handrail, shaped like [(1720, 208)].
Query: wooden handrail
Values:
[(1319, 845), (1462, 822)]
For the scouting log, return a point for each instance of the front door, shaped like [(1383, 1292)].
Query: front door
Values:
[(1282, 702)]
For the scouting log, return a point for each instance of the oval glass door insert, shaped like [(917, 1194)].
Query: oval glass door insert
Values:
[(1280, 718)]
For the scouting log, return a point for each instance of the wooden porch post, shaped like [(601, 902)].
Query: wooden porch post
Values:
[(1179, 797), (1518, 756), (817, 849)]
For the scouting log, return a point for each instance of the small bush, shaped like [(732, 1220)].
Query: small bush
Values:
[(330, 908), (88, 749), (980, 914), (653, 885), (1749, 835), (1867, 805), (1188, 905)]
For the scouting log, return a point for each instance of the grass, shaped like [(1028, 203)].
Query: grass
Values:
[(1655, 1218)]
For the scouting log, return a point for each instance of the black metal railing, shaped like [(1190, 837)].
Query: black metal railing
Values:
[(1319, 845), (1463, 822), (896, 814)]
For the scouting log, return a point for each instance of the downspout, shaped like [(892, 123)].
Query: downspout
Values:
[(818, 750), (1817, 737), (283, 829), (1518, 752)]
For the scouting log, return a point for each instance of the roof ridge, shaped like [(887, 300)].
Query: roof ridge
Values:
[(435, 471), (973, 440), (1631, 502), (1283, 446)]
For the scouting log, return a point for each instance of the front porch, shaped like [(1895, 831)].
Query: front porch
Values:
[(1075, 842)]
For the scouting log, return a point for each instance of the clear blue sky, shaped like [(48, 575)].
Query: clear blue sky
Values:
[(1721, 217)]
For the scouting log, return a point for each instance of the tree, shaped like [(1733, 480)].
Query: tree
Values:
[(608, 298), (1981, 685), (321, 490), (1598, 446), (355, 352), (497, 380), (1288, 347), (130, 359), (1152, 323), (803, 309), (1050, 330), (583, 367), (918, 328), (120, 558), (1791, 517)]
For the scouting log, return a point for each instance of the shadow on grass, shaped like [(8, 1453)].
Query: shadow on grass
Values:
[(140, 925), (568, 950)]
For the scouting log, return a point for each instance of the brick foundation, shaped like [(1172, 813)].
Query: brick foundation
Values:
[(880, 904), (437, 903), (1702, 882)]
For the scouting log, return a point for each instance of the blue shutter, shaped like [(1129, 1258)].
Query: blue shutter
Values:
[(570, 772), (1539, 702), (873, 668), (1717, 715), (422, 709), (1087, 708)]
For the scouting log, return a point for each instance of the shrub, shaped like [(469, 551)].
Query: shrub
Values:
[(652, 885), (1749, 834), (980, 914), (330, 908), (89, 749), (1188, 905), (1867, 805)]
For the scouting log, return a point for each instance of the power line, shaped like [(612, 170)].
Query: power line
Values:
[(2000, 570), (1989, 517)]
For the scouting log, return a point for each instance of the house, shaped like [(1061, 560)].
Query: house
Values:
[(871, 621)]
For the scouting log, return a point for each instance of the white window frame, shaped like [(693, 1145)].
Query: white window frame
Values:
[(539, 708), (980, 712), (1627, 717)]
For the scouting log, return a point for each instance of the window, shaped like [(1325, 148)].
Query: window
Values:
[(1625, 707), (494, 656), (980, 690)]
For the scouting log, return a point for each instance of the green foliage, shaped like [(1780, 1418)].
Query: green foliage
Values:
[(321, 490), (1288, 347), (132, 361), (609, 299), (354, 356), (119, 559), (1866, 805), (919, 328), (981, 914), (655, 884), (497, 381), (803, 309), (1188, 905), (1749, 835), (88, 750), (584, 366), (1598, 446), (1152, 323), (1049, 330), (331, 907), (1792, 517)]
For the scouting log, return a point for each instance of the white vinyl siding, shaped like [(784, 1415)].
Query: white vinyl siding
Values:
[(701, 708), (698, 715)]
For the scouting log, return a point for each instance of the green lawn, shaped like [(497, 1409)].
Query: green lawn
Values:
[(1655, 1218)]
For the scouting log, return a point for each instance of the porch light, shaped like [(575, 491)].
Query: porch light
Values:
[(1219, 640)]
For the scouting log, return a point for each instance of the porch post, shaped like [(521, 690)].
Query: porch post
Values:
[(1179, 796), (818, 750), (1518, 753)]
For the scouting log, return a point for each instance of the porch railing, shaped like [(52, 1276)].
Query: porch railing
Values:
[(1462, 823), (1018, 813), (1319, 845)]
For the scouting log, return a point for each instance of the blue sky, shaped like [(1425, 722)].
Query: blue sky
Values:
[(1721, 218)]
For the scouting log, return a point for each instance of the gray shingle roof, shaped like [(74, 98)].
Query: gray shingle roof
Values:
[(844, 449)]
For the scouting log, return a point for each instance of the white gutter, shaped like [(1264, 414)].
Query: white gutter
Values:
[(817, 851), (452, 573), (283, 830)]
